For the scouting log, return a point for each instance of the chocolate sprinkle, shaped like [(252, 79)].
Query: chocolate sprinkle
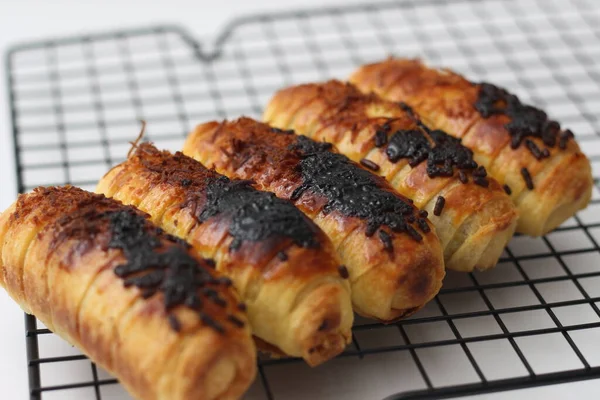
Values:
[(423, 225), (462, 177), (386, 239), (349, 190), (369, 164), (480, 172), (564, 137), (507, 189), (236, 321), (283, 131), (225, 281), (343, 272), (174, 322), (242, 307), (534, 149), (423, 213), (527, 178), (439, 206), (414, 234), (324, 325), (478, 180), (525, 121), (208, 321), (381, 135)]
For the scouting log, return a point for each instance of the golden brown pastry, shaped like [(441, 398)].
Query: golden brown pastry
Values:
[(477, 219), (284, 267), (393, 258), (140, 303), (545, 172)]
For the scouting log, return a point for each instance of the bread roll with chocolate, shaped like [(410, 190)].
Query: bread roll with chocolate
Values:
[(543, 168), (393, 258), (140, 303), (284, 267), (477, 218)]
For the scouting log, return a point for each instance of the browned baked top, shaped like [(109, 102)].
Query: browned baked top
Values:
[(156, 263), (317, 178), (345, 112), (490, 117), (258, 220)]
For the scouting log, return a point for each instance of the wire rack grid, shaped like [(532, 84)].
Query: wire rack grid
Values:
[(533, 320)]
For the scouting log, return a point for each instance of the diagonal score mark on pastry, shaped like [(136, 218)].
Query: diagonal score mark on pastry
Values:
[(393, 258), (547, 175), (282, 264), (476, 217), (139, 302)]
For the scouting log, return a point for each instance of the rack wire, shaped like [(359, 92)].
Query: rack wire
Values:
[(534, 320)]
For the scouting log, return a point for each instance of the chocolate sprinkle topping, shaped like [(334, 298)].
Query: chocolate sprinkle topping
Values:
[(480, 172), (343, 272), (462, 177), (443, 155), (386, 239), (350, 190), (212, 323), (174, 322), (439, 206), (447, 154), (283, 131), (282, 256), (478, 180), (381, 135), (153, 267), (525, 121), (564, 137), (235, 320), (324, 325), (369, 164), (423, 225), (507, 189), (423, 213), (527, 178), (256, 215), (410, 144)]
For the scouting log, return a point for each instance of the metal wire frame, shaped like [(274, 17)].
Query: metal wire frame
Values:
[(208, 60)]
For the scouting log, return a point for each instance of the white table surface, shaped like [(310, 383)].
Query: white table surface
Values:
[(24, 20)]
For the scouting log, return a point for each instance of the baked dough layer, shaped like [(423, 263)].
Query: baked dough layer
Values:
[(284, 267), (513, 141), (395, 266)]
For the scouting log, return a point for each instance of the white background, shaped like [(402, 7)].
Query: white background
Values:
[(22, 20)]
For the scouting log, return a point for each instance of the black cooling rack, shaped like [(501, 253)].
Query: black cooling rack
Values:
[(534, 320)]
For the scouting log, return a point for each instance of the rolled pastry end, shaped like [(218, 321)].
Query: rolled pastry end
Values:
[(564, 191), (231, 367), (397, 288), (322, 323), (476, 242)]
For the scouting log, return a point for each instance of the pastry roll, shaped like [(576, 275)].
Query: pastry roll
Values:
[(547, 175), (140, 303), (284, 267), (477, 218), (393, 258)]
